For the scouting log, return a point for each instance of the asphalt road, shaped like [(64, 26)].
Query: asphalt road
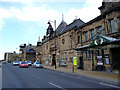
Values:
[(15, 77)]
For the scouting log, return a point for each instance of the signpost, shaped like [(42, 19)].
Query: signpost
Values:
[(74, 62)]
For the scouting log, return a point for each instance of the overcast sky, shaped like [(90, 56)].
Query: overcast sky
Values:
[(23, 21)]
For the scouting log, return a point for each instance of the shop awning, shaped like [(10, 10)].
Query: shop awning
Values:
[(100, 40)]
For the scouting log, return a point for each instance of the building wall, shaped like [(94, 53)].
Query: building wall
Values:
[(63, 42), (104, 22)]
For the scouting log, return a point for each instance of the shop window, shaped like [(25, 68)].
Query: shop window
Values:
[(118, 23), (112, 26), (63, 63)]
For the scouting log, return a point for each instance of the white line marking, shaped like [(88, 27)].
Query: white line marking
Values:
[(55, 85), (110, 85)]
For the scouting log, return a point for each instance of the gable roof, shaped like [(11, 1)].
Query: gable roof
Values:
[(61, 26), (28, 48), (75, 23)]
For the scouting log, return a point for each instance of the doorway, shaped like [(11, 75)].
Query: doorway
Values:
[(115, 58), (81, 63)]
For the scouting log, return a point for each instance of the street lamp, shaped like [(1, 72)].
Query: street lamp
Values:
[(55, 43)]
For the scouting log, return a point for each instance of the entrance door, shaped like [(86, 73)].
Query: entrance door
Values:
[(81, 63), (53, 60), (115, 58)]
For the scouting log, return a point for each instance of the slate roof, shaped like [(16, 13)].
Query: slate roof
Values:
[(61, 27), (77, 22), (29, 48), (111, 39)]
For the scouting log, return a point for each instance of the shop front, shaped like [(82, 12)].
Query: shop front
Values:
[(105, 53)]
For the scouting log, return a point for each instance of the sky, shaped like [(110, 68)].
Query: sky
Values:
[(23, 21)]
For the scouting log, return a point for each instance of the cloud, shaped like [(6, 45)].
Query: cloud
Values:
[(37, 14), (31, 1), (87, 12), (34, 13), (4, 13)]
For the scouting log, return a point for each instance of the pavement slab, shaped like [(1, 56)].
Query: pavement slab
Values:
[(109, 77)]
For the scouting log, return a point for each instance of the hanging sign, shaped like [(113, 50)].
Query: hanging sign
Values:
[(99, 60), (75, 61)]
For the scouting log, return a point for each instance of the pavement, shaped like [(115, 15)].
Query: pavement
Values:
[(107, 77)]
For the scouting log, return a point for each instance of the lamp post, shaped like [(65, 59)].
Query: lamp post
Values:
[(55, 44), (81, 50)]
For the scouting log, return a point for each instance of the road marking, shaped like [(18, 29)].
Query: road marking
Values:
[(110, 85), (56, 85)]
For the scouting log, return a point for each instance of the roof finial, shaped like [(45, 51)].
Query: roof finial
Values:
[(39, 38), (62, 17), (75, 17)]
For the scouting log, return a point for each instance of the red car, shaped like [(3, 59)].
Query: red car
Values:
[(23, 65)]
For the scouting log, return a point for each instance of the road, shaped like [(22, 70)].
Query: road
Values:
[(15, 77)]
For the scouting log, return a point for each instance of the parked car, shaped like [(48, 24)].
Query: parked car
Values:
[(29, 63), (37, 64), (23, 65), (15, 63)]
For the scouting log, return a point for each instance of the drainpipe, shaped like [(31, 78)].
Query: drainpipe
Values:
[(81, 46), (92, 62)]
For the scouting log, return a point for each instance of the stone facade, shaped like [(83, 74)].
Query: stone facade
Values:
[(28, 52), (10, 57), (98, 37), (108, 23)]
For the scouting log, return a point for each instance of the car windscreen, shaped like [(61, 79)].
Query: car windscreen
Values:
[(23, 62), (37, 62)]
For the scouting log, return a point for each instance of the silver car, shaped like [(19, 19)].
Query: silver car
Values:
[(37, 64), (15, 63), (29, 63)]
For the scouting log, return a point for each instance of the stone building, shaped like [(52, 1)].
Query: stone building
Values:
[(95, 43), (39, 51), (10, 57), (99, 43), (28, 52), (58, 46)]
